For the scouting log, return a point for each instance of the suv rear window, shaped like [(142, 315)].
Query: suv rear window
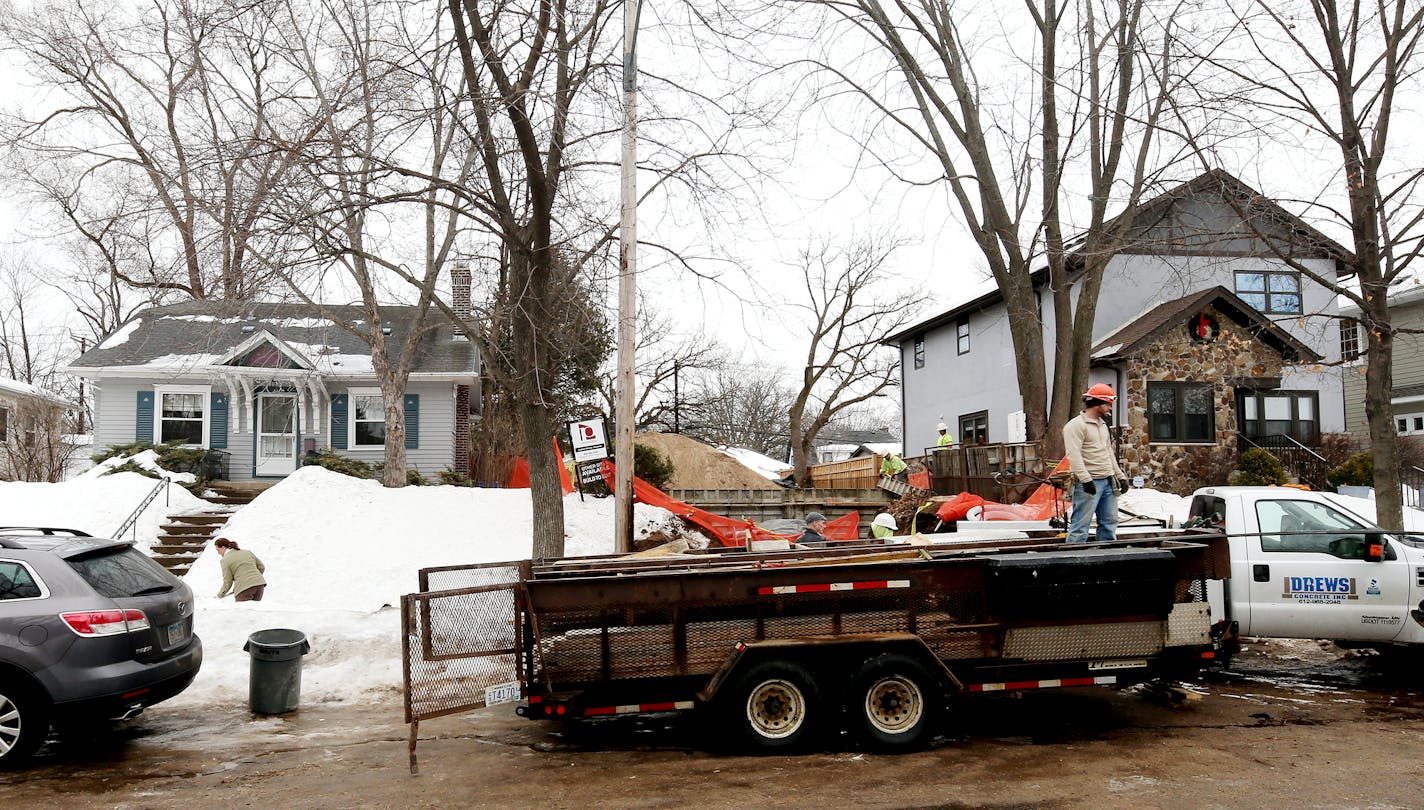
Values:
[(122, 572)]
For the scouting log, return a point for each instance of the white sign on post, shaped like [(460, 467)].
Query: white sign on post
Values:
[(587, 438)]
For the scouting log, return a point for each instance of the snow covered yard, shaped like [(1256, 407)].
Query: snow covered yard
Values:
[(339, 553)]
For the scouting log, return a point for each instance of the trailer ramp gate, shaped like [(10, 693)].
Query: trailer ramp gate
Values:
[(460, 642)]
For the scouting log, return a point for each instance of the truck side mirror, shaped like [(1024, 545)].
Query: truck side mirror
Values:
[(1374, 548)]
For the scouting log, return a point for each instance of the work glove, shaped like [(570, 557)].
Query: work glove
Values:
[(1121, 485), (1090, 488)]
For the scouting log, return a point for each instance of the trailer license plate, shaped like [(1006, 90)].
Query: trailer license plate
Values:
[(502, 693), (175, 634)]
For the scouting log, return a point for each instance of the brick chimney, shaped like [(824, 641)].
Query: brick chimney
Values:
[(460, 291)]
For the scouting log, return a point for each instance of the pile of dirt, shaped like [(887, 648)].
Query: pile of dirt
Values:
[(697, 465)]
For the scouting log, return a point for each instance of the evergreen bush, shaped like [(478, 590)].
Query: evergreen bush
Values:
[(1258, 468), (1358, 471)]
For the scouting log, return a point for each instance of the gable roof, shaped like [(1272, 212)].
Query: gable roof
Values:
[(197, 334), (1216, 181), (1134, 336)]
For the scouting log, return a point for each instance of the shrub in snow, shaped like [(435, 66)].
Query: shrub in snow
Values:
[(1259, 468)]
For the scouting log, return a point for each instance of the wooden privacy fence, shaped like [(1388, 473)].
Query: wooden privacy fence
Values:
[(972, 468), (862, 472)]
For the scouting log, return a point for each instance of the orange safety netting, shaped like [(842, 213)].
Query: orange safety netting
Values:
[(519, 473), (728, 531), (1039, 506)]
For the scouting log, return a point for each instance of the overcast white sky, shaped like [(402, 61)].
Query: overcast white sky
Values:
[(825, 187)]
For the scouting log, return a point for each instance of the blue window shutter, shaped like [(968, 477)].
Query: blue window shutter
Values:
[(217, 422), (412, 421), (143, 417), (339, 417)]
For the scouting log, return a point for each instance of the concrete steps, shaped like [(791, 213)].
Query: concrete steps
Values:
[(183, 537), (228, 493)]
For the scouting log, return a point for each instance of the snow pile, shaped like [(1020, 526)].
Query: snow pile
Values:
[(1153, 503), (96, 504), (1365, 508), (765, 466), (147, 459), (340, 552)]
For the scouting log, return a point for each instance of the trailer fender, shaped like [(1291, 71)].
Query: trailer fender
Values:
[(750, 653)]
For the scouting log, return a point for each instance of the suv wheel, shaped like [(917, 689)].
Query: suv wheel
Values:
[(24, 721)]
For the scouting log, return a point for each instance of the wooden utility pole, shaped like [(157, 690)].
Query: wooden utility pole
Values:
[(627, 287)]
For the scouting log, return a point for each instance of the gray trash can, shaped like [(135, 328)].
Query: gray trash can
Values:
[(275, 679)]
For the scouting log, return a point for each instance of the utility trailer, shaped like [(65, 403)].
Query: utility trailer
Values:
[(784, 647)]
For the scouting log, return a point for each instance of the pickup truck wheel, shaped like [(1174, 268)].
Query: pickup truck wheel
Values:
[(775, 706), (24, 721), (893, 702)]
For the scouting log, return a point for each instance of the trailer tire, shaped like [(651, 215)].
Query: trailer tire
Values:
[(893, 702), (774, 706)]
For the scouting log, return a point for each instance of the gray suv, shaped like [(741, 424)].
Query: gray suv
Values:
[(89, 629)]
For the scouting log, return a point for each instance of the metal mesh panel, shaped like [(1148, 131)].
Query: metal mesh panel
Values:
[(468, 576), (1111, 640), (457, 644)]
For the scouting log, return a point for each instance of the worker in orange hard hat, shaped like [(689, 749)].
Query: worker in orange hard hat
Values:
[(1097, 477)]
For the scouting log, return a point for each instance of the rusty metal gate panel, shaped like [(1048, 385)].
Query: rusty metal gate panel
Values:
[(460, 649), (456, 577)]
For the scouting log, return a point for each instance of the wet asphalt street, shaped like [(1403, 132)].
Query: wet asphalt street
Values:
[(1292, 724)]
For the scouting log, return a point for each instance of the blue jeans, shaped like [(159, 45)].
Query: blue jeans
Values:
[(1104, 504)]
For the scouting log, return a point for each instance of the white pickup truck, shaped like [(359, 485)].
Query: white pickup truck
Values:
[(1305, 566)]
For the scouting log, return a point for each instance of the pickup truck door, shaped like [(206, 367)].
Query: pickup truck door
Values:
[(1308, 578)]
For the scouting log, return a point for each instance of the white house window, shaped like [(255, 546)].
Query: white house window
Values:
[(919, 351), (1349, 339), (181, 415), (4, 424), (961, 329), (1409, 424), (368, 419), (1274, 292)]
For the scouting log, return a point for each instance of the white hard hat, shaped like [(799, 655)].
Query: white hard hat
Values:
[(887, 520), (941, 426)]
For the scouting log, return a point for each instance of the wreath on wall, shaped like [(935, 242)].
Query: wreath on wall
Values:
[(1204, 327)]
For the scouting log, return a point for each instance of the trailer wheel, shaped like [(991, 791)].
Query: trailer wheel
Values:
[(774, 706), (893, 702)]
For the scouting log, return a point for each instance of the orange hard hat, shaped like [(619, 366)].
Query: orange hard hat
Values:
[(1101, 391)]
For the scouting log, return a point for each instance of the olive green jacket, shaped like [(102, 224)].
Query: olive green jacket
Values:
[(244, 569)]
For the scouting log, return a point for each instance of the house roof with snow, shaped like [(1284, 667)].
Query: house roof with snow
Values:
[(201, 335), (1264, 213), (1135, 335), (15, 388)]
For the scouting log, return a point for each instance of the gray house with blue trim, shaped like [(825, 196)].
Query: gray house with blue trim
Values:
[(265, 382)]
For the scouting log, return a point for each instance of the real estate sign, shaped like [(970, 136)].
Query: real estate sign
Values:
[(587, 438)]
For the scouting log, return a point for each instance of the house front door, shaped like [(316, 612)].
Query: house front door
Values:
[(276, 435)]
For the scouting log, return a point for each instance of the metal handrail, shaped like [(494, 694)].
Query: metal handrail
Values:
[(131, 522)]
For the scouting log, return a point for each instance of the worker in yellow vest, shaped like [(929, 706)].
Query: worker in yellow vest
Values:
[(945, 438)]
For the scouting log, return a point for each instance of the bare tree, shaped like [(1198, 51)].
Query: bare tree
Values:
[(741, 405), (963, 109), (34, 445), (146, 151), (1341, 75), (845, 309), (666, 365)]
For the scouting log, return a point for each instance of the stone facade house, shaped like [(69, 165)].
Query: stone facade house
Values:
[(1191, 373), (957, 366)]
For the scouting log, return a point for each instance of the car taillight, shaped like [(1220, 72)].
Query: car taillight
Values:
[(105, 622)]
